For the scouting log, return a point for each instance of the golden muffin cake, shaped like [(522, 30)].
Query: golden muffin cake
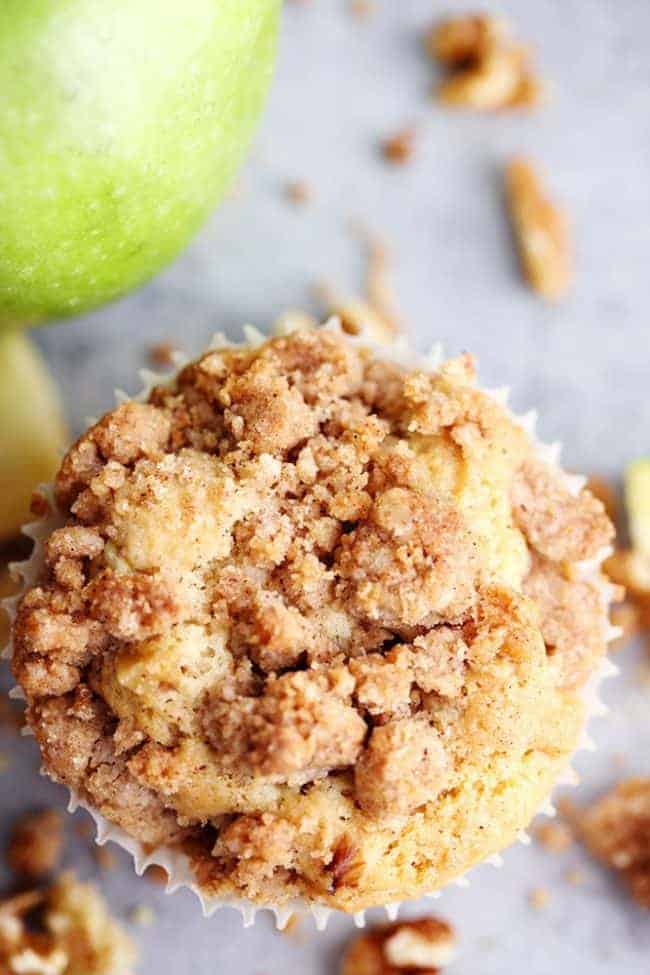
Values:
[(319, 620)]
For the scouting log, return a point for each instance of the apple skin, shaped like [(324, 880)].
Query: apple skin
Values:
[(121, 124)]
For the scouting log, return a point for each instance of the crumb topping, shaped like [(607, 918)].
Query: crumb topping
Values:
[(305, 604)]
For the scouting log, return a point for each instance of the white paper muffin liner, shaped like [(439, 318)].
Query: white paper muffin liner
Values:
[(175, 862)]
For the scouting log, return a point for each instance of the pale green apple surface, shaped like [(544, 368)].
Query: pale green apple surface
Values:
[(121, 124)]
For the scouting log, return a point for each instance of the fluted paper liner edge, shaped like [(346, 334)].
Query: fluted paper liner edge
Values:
[(175, 862)]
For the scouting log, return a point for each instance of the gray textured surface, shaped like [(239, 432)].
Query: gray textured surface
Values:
[(340, 86)]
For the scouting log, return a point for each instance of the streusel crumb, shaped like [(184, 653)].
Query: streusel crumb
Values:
[(315, 618), (617, 831), (418, 947), (64, 929)]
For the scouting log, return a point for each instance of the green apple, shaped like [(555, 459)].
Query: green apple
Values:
[(33, 434), (121, 124)]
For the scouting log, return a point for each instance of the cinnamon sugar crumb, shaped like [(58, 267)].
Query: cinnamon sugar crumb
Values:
[(616, 829), (402, 948), (541, 231)]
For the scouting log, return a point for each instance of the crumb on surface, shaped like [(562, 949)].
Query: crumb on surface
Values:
[(162, 355), (616, 829), (539, 898), (399, 147), (362, 9), (299, 192), (486, 68), (421, 946), (541, 231), (36, 843), (554, 836)]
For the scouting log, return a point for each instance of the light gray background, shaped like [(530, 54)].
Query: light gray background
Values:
[(340, 86)]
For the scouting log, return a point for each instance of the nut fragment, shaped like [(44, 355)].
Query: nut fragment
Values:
[(541, 231), (420, 946), (617, 831), (488, 70)]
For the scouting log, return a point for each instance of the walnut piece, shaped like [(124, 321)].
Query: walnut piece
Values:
[(541, 231), (418, 947), (487, 69)]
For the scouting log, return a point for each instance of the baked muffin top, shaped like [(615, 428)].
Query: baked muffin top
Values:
[(320, 618)]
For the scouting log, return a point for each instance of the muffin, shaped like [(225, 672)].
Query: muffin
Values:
[(315, 620)]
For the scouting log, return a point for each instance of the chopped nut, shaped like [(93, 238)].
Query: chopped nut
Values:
[(36, 842), (345, 865), (488, 70), (399, 147), (461, 40), (541, 231), (539, 898), (420, 946), (299, 192), (617, 831), (556, 837), (162, 354)]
